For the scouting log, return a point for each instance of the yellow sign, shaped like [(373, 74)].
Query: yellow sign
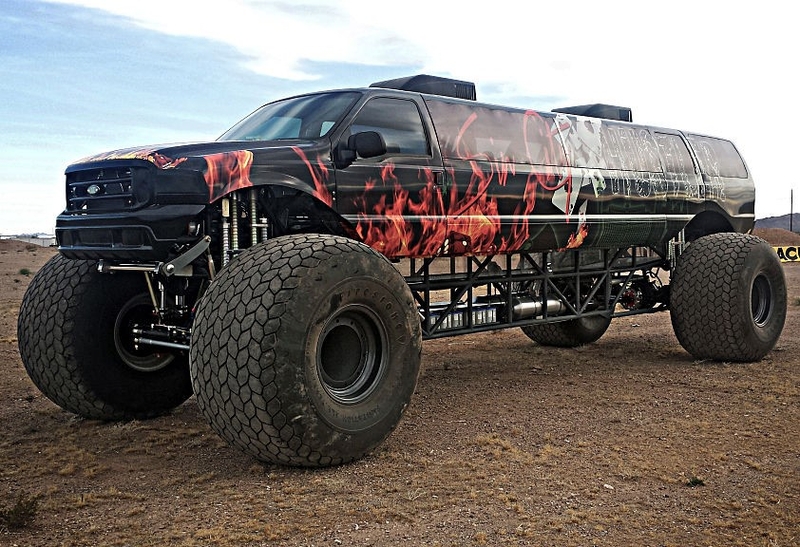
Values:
[(788, 254)]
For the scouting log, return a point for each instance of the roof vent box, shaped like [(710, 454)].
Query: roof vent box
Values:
[(434, 85), (606, 111)]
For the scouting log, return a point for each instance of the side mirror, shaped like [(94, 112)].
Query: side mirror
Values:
[(367, 144)]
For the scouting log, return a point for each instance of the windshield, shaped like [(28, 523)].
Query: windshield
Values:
[(307, 117)]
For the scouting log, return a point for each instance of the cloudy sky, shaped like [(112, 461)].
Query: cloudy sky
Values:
[(83, 76)]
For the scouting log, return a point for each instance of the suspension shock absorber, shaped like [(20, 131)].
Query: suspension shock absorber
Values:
[(259, 225), (253, 216), (226, 238), (234, 223), (676, 246)]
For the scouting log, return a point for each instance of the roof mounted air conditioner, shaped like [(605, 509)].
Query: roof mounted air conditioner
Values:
[(434, 85), (597, 110)]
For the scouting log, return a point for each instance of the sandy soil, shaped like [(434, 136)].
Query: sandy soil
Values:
[(628, 441)]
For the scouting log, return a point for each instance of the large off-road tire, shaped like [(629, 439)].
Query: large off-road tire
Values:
[(305, 350), (75, 342), (728, 298), (569, 334)]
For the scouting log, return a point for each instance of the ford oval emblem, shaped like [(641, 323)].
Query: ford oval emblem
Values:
[(93, 189)]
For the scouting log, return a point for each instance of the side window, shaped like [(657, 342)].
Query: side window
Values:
[(398, 121), (472, 131), (674, 154), (629, 148), (717, 157)]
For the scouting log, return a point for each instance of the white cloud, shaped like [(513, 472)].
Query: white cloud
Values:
[(703, 66), (581, 48), (275, 37)]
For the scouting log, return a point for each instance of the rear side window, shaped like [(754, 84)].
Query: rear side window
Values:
[(398, 121), (718, 157), (629, 148), (674, 154), (479, 132)]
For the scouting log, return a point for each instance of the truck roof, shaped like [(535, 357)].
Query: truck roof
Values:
[(460, 89)]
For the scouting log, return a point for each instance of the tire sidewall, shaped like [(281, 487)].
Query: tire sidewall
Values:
[(105, 371), (398, 364), (761, 261), (590, 329), (711, 298), (256, 340), (66, 337)]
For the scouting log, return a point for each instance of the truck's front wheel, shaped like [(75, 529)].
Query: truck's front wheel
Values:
[(728, 298), (305, 350), (75, 340)]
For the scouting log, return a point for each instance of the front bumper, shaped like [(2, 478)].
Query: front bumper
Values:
[(142, 236)]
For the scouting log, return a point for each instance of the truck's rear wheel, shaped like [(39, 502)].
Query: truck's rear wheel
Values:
[(568, 334), (728, 298), (305, 350), (75, 340)]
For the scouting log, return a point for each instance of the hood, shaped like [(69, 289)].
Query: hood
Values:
[(225, 165), (163, 156)]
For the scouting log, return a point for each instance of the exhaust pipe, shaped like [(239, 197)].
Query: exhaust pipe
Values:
[(525, 308)]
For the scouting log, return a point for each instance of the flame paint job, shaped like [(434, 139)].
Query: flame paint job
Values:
[(146, 154), (399, 223), (319, 176), (224, 172), (495, 180), (487, 205), (227, 172)]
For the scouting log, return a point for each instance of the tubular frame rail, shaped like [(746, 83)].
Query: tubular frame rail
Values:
[(462, 295)]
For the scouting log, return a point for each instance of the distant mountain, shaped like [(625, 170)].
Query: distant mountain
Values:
[(780, 222)]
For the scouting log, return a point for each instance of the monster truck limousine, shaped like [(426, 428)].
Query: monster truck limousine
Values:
[(288, 272)]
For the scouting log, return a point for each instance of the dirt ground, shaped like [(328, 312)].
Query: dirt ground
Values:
[(628, 441)]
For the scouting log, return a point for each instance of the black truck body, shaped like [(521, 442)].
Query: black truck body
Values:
[(457, 178)]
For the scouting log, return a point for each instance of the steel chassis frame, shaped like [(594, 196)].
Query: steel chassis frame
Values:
[(472, 286)]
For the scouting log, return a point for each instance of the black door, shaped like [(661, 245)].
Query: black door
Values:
[(393, 200)]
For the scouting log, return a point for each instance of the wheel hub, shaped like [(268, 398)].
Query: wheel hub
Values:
[(351, 357), (143, 359), (761, 300)]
